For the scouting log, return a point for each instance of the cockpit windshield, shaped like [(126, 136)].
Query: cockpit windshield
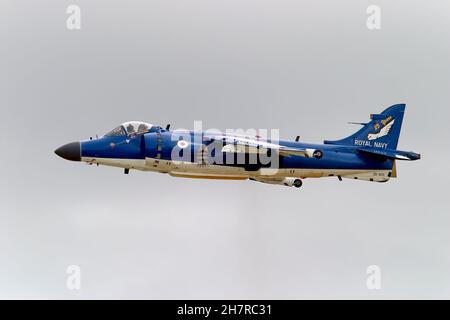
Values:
[(130, 128), (116, 132)]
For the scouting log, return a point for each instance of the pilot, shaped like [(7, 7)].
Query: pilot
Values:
[(142, 128), (130, 129)]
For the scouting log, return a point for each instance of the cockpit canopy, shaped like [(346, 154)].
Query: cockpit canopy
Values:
[(130, 128)]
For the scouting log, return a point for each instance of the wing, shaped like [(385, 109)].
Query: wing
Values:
[(235, 144), (385, 130), (372, 136), (303, 152), (262, 149)]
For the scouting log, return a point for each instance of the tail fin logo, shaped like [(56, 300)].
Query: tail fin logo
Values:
[(383, 131)]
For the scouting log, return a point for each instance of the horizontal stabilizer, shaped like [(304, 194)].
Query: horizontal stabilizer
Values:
[(388, 153)]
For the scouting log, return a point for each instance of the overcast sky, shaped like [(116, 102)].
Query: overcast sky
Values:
[(304, 67)]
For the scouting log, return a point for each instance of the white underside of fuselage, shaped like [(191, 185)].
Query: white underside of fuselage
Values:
[(206, 171)]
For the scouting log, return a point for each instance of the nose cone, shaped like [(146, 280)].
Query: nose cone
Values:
[(70, 151)]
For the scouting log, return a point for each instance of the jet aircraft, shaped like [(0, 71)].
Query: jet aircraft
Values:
[(369, 154)]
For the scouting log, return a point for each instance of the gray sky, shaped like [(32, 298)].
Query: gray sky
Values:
[(305, 67)]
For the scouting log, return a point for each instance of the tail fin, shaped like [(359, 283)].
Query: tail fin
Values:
[(382, 131)]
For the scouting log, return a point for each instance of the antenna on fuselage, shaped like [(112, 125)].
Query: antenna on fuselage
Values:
[(360, 123), (297, 138), (168, 126)]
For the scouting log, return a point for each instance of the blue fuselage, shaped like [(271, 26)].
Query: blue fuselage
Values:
[(160, 145)]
